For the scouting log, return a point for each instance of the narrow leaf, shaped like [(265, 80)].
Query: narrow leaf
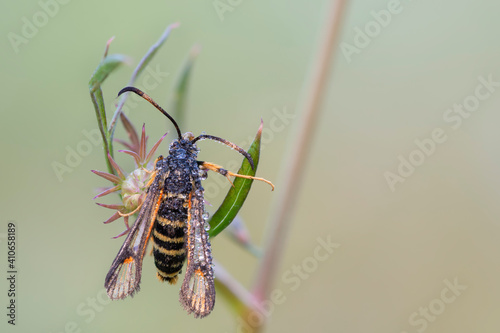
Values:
[(153, 150), (142, 147), (108, 44), (113, 218), (122, 233), (117, 168), (125, 143), (108, 191), (152, 51), (133, 154), (138, 70), (131, 132), (237, 193), (115, 207), (106, 67), (100, 113), (112, 178), (179, 96)]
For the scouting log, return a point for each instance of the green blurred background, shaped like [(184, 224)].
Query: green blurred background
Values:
[(396, 247)]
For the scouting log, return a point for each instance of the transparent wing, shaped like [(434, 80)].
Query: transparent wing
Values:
[(124, 276), (197, 293)]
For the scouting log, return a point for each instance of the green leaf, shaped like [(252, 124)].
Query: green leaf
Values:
[(138, 70), (105, 67), (180, 91), (151, 52), (100, 113), (238, 193)]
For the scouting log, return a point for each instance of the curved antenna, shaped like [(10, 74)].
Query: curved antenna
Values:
[(227, 143), (150, 100)]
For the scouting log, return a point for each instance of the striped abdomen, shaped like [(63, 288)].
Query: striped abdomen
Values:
[(168, 237)]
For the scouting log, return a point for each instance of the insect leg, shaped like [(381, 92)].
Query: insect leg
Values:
[(227, 174)]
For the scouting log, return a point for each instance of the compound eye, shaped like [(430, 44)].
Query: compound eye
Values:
[(188, 136)]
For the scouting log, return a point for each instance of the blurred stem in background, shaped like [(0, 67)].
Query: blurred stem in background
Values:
[(242, 301), (289, 187), (247, 303)]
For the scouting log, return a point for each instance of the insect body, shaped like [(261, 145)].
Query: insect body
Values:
[(173, 214), (179, 175)]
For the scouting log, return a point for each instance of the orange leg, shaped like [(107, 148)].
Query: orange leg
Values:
[(227, 174), (151, 178)]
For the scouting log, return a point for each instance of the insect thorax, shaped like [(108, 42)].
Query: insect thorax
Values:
[(182, 167)]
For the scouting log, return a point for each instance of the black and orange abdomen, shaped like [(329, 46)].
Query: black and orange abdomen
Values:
[(168, 236)]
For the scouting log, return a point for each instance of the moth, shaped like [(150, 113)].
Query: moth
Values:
[(172, 216)]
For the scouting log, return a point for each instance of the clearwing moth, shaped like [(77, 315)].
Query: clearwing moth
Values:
[(172, 215)]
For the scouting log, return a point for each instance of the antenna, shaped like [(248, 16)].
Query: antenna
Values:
[(150, 100), (227, 143)]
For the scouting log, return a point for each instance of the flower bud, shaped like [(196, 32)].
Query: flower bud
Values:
[(134, 188)]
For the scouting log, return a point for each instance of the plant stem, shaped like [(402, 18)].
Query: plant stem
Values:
[(296, 163), (240, 299), (97, 100), (138, 70)]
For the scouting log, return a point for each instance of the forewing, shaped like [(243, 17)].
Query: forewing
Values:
[(124, 276), (197, 293)]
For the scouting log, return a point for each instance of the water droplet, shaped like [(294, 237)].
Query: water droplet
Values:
[(205, 215), (206, 226), (203, 174)]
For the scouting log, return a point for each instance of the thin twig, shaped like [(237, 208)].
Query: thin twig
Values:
[(290, 186), (138, 70), (237, 295)]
